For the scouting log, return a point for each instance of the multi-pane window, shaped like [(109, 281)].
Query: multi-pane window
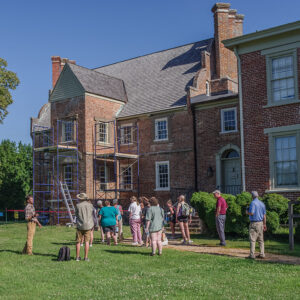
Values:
[(228, 120), (67, 131), (68, 178), (282, 80), (161, 129), (162, 175), (126, 178), (126, 134), (102, 178), (286, 163), (103, 132)]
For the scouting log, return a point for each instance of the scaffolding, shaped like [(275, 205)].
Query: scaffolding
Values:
[(55, 160), (116, 157)]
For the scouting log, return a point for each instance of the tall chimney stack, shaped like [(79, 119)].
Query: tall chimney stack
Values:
[(227, 24), (57, 66)]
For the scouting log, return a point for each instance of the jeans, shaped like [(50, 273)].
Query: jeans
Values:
[(220, 224)]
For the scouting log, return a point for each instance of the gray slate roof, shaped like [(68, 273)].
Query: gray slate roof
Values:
[(100, 84), (158, 81)]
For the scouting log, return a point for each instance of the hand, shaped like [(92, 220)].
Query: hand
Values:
[(176, 220), (265, 227), (190, 221), (36, 215), (40, 226)]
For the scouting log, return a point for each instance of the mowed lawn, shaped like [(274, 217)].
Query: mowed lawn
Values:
[(127, 272)]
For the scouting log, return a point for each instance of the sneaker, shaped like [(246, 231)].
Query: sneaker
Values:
[(261, 256), (190, 242), (141, 244), (250, 257), (91, 245), (78, 258), (134, 243), (103, 241), (152, 254), (165, 243), (86, 259), (81, 245), (183, 242)]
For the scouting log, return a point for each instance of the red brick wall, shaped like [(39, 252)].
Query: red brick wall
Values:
[(257, 118), (210, 141)]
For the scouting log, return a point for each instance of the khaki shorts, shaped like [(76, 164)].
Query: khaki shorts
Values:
[(80, 234)]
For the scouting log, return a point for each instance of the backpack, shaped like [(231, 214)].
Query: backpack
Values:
[(185, 209), (64, 254)]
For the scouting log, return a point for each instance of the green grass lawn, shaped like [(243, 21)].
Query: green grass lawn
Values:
[(130, 273)]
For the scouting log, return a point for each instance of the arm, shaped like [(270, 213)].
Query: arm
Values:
[(218, 211), (147, 226), (121, 210), (265, 222), (177, 211)]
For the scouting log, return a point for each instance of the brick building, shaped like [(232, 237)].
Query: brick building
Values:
[(151, 125), (269, 69)]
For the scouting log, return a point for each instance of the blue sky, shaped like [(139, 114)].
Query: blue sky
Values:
[(100, 32)]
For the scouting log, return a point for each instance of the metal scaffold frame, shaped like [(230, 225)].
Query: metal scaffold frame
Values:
[(52, 158), (121, 154)]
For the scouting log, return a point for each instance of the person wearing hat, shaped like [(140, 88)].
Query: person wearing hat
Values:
[(85, 222), (257, 216), (221, 208)]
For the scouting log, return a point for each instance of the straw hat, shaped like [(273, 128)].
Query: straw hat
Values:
[(82, 196)]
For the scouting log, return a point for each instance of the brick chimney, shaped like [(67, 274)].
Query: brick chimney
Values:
[(227, 24), (57, 66)]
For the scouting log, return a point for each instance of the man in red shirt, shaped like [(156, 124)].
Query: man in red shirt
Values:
[(221, 208)]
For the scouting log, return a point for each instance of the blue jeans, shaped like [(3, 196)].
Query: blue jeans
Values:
[(220, 224)]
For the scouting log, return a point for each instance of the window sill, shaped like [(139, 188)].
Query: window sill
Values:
[(162, 189), (283, 190), (225, 132), (280, 103), (106, 144), (162, 140)]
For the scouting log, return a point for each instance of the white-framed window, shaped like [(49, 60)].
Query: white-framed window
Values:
[(126, 177), (228, 120), (286, 162), (162, 175), (161, 129), (103, 132), (67, 131), (126, 134), (68, 176), (282, 77), (103, 178)]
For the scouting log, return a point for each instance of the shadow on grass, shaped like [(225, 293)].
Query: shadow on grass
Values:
[(34, 253), (64, 244), (126, 252)]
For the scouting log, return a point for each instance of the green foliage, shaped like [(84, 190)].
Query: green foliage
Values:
[(297, 231), (15, 174), (8, 81), (278, 204), (237, 221)]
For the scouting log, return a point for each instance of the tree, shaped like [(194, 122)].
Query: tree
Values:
[(15, 174), (8, 81)]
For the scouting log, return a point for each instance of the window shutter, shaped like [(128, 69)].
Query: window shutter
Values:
[(109, 132)]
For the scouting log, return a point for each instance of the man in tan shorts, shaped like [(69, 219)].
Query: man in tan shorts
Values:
[(85, 223)]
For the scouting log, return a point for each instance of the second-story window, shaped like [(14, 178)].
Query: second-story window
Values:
[(67, 131), (161, 129), (283, 81), (103, 132), (126, 134), (228, 120)]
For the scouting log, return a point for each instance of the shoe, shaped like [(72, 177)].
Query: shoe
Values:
[(160, 254), (116, 244), (183, 242), (86, 259), (190, 242), (103, 241), (261, 256), (134, 243), (222, 245), (141, 244), (81, 245), (250, 257), (78, 258), (165, 243), (152, 254), (91, 245)]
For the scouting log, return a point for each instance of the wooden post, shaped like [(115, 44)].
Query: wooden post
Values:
[(291, 226)]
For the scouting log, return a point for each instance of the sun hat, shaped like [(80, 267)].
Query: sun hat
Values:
[(82, 196)]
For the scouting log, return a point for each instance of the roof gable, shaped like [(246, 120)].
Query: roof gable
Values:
[(67, 86)]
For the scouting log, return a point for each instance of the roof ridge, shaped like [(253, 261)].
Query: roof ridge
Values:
[(209, 39)]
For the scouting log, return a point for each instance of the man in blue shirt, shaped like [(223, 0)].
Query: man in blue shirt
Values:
[(257, 216)]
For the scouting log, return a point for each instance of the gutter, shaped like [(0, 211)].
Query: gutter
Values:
[(195, 149), (241, 119)]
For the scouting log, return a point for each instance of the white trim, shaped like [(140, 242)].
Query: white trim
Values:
[(156, 139), (222, 119), (282, 129), (157, 164)]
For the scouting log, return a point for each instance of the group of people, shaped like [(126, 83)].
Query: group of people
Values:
[(148, 214)]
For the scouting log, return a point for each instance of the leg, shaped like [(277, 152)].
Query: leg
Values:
[(187, 231), (159, 243), (78, 241), (30, 234), (218, 228), (86, 249), (252, 237), (121, 229), (261, 240), (92, 236), (102, 234), (182, 231), (139, 235), (154, 239), (133, 230), (172, 225), (87, 239), (77, 249), (108, 238), (222, 229)]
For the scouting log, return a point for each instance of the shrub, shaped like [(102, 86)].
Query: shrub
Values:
[(279, 204), (272, 221), (297, 232)]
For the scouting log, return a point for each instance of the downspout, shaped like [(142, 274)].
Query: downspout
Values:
[(195, 148), (241, 119)]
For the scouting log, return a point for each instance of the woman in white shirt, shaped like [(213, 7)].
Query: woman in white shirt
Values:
[(135, 221)]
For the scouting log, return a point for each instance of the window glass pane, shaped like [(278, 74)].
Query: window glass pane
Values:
[(126, 178), (229, 121), (102, 178), (286, 164), (161, 130), (126, 135), (68, 131), (163, 176), (103, 132)]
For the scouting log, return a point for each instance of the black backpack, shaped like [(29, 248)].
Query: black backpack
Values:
[(63, 254)]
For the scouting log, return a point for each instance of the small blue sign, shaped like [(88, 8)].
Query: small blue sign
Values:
[(1, 214)]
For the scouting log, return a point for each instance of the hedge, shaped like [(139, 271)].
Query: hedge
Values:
[(237, 221)]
